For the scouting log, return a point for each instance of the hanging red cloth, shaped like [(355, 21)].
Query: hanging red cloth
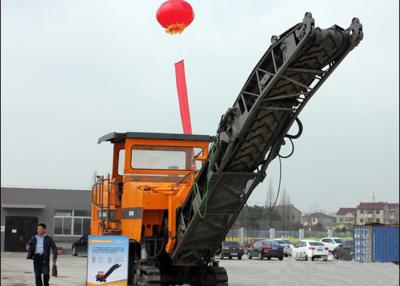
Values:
[(183, 97)]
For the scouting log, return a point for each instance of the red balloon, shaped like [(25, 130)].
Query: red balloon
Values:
[(175, 16)]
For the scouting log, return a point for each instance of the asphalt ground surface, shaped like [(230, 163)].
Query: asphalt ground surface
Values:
[(17, 271)]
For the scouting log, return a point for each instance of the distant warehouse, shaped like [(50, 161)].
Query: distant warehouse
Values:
[(66, 213)]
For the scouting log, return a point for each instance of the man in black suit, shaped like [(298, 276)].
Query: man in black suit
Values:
[(38, 248)]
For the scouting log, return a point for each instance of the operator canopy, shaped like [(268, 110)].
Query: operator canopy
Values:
[(116, 137)]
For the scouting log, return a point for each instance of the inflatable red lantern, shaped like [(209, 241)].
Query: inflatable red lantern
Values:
[(175, 16)]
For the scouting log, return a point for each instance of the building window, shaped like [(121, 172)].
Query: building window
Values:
[(71, 222), (63, 213), (378, 220), (361, 211), (370, 211), (58, 225), (378, 211), (361, 220)]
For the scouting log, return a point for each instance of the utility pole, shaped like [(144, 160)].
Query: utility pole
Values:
[(374, 211)]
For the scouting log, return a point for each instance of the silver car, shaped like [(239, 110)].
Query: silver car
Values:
[(287, 249)]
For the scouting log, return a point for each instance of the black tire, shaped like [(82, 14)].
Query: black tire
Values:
[(312, 258), (268, 257), (240, 257), (147, 275), (74, 251), (335, 254), (346, 256), (221, 276), (230, 257), (286, 255), (281, 258), (306, 258)]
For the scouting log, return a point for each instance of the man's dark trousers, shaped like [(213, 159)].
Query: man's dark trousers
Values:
[(41, 266)]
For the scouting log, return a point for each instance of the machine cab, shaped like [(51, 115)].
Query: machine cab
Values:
[(152, 174), (157, 157)]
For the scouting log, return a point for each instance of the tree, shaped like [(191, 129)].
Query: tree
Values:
[(285, 200), (284, 209), (252, 215), (341, 229), (269, 203), (270, 196), (249, 216)]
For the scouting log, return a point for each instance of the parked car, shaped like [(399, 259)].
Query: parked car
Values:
[(266, 248), (231, 249), (332, 243), (249, 243), (310, 249), (287, 249), (80, 246), (345, 251)]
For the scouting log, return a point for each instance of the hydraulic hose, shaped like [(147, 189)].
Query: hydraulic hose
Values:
[(300, 125)]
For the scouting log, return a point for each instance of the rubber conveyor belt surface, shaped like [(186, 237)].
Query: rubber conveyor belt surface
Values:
[(251, 132)]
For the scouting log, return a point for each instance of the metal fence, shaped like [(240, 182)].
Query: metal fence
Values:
[(242, 234)]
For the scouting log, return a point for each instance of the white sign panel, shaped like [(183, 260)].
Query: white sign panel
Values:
[(107, 260)]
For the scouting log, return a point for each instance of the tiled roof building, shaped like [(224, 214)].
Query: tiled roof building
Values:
[(369, 212), (346, 217)]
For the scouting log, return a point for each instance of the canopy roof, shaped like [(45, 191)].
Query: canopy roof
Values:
[(115, 137)]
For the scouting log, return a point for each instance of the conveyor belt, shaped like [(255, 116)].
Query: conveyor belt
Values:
[(251, 132)]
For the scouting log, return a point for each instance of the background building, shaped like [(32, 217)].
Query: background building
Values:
[(290, 217), (66, 213), (318, 218), (346, 217), (372, 212), (394, 213)]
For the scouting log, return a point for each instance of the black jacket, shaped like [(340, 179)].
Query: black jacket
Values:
[(48, 243)]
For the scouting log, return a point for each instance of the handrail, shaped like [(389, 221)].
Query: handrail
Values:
[(104, 204)]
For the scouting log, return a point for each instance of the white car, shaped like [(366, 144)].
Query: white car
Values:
[(332, 242), (310, 249)]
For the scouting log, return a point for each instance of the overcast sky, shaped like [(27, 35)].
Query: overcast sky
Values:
[(72, 71)]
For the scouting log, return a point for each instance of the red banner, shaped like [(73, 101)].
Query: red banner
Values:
[(183, 97)]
